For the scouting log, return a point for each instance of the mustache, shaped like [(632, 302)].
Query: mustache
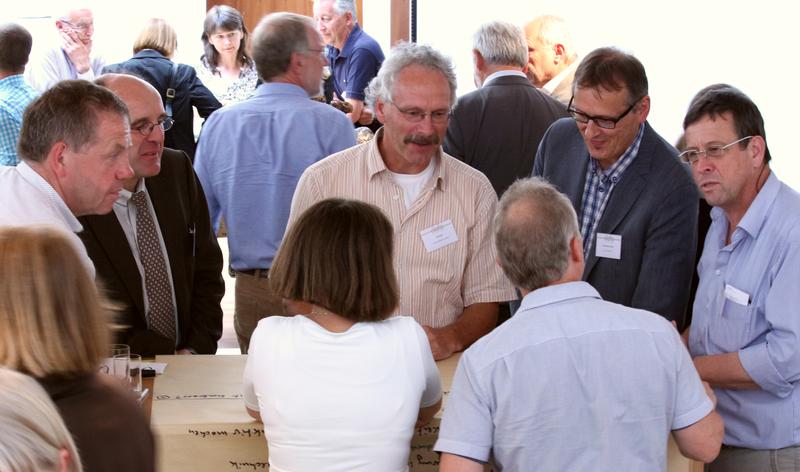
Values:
[(422, 139)]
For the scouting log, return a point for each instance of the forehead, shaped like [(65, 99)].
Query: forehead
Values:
[(710, 128), (113, 131), (143, 101), (324, 7), (420, 86), (80, 16), (599, 100)]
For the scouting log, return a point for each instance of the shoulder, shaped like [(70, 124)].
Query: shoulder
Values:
[(346, 161), (465, 174)]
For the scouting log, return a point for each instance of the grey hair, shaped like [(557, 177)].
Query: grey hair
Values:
[(533, 228), (276, 38), (554, 29), (32, 432), (401, 56), (343, 6), (501, 43)]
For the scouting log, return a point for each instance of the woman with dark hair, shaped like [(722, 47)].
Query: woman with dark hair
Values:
[(226, 67), (152, 61), (340, 385)]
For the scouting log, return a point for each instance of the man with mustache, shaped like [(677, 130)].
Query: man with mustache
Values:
[(168, 283), (636, 203), (72, 58), (440, 207)]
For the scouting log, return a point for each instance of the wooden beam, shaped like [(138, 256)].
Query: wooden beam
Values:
[(400, 21)]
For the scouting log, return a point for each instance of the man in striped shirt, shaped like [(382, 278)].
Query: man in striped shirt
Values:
[(441, 208)]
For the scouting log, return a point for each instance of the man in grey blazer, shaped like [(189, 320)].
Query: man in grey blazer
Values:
[(636, 203), (497, 128)]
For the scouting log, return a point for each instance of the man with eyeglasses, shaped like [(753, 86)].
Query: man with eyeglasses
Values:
[(441, 208), (745, 325), (72, 59), (251, 154), (155, 253), (354, 57), (636, 203)]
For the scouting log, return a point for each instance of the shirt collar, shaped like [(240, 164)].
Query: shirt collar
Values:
[(33, 177), (553, 83), (12, 81), (271, 88), (375, 164), (125, 195), (350, 42), (614, 172), (756, 214), (503, 73), (557, 293)]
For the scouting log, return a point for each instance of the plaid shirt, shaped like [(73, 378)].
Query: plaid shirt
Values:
[(598, 188), (15, 95)]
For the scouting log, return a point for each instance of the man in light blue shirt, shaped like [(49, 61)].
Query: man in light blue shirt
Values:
[(571, 382), (251, 155), (746, 318), (15, 94)]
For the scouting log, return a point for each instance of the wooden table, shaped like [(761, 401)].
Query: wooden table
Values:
[(201, 425)]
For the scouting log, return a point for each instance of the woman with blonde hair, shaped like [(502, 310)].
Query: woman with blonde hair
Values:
[(54, 327), (340, 385), (152, 61), (33, 437)]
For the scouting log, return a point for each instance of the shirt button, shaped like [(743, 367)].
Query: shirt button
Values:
[(717, 271), (601, 189)]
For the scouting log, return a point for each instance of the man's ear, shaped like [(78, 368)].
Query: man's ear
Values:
[(576, 249), (560, 53), (380, 110), (758, 150), (56, 160)]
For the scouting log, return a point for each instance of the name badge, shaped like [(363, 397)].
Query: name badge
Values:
[(736, 296), (439, 236), (608, 246)]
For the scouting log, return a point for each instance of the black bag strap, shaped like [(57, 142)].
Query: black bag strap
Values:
[(171, 90)]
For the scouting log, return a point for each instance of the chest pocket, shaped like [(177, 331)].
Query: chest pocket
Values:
[(733, 328)]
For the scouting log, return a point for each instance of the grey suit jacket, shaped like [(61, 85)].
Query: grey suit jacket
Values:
[(653, 207), (497, 128)]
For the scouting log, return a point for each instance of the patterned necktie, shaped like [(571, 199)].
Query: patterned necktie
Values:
[(161, 316)]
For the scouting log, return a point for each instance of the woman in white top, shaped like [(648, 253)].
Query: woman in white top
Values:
[(226, 68), (341, 385)]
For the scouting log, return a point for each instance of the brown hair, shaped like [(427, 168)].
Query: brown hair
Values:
[(66, 112), (613, 70), (276, 38), (158, 35), (52, 319), (338, 255)]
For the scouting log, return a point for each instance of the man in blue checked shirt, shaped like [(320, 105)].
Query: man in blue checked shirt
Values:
[(636, 203), (15, 93), (746, 318)]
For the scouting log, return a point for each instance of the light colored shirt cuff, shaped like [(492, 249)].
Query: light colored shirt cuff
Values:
[(470, 451), (759, 366)]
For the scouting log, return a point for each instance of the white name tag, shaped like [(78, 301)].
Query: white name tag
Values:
[(439, 236), (608, 245), (736, 296)]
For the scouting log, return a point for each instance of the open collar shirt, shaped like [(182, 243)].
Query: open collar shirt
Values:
[(458, 203), (748, 301)]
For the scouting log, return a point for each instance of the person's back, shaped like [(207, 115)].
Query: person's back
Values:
[(339, 401)]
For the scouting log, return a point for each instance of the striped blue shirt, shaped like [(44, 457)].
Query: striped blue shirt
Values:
[(15, 95), (598, 187), (762, 266)]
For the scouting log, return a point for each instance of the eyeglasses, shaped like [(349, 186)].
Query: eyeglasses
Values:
[(146, 128), (601, 121), (82, 27), (321, 52), (691, 156), (230, 35), (415, 115)]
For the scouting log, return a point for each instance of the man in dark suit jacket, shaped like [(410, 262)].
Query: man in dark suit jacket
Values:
[(179, 206), (497, 128), (636, 203)]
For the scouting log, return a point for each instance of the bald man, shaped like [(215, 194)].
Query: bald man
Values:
[(72, 59), (552, 58), (169, 304)]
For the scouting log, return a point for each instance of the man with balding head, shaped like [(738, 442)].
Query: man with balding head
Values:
[(497, 128), (155, 253), (552, 57), (72, 59), (15, 93)]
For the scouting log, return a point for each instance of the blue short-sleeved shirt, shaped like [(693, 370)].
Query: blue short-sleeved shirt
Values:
[(355, 65), (573, 382)]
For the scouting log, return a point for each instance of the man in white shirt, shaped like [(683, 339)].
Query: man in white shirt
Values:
[(74, 146), (72, 58)]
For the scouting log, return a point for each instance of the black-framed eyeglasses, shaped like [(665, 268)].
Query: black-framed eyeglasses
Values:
[(146, 128), (415, 115), (715, 151), (604, 122)]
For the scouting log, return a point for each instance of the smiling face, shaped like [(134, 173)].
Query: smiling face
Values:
[(92, 176), (407, 147), (145, 107), (333, 27), (608, 145), (731, 180)]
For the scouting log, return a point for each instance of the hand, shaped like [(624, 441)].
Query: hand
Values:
[(366, 117), (77, 52), (710, 393), (443, 342)]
